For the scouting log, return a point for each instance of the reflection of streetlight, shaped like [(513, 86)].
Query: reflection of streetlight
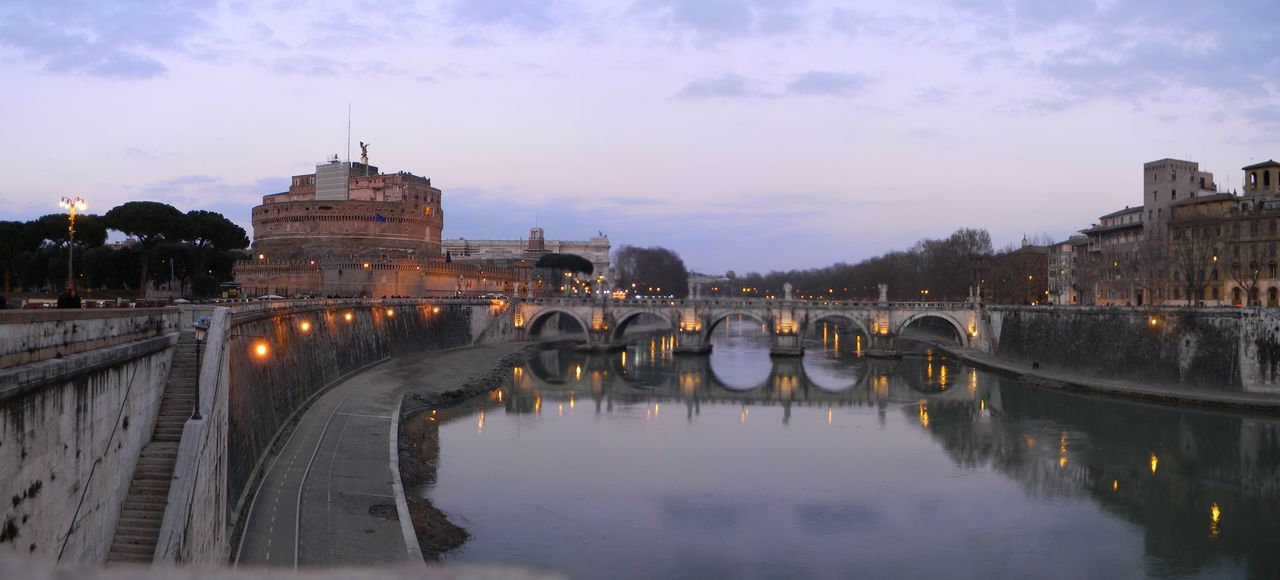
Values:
[(71, 205)]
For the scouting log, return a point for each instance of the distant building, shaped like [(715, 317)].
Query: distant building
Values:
[(1016, 277), (596, 250), (1225, 249), (350, 230), (1063, 286), (1166, 182), (1115, 244)]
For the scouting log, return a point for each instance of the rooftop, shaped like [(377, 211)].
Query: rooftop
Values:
[(1267, 163), (1127, 210)]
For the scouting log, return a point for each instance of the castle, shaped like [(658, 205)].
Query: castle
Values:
[(350, 230)]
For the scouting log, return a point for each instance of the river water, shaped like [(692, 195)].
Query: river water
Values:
[(643, 464)]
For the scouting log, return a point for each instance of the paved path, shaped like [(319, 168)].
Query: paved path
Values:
[(1223, 398), (335, 469)]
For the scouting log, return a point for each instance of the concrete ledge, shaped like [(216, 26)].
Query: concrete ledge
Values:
[(19, 380), (35, 335), (1053, 380)]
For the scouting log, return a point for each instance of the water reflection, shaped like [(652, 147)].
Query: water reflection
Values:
[(625, 455)]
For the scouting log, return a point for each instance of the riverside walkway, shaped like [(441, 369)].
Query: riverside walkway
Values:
[(329, 498)]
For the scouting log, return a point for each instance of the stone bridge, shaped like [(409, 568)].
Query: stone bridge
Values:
[(693, 321)]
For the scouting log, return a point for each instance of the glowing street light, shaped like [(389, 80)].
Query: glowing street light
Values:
[(71, 205)]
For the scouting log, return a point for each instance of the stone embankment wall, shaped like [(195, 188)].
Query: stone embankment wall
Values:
[(79, 395), (1183, 347), (313, 344)]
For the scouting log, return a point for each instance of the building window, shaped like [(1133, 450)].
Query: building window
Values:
[(1266, 178)]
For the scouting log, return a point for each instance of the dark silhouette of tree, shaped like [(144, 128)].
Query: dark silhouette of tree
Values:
[(947, 268), (1193, 249), (53, 228), (151, 223), (207, 229), (565, 263), (14, 241), (653, 267)]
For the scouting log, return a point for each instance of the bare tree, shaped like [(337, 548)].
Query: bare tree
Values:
[(1193, 251), (1148, 264), (1246, 270)]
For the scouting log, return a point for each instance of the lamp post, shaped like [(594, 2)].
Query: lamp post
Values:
[(202, 332), (72, 205)]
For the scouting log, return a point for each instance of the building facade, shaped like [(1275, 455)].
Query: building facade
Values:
[(350, 230), (1114, 256), (595, 250), (1061, 271)]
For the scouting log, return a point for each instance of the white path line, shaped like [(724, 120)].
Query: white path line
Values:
[(368, 416), (249, 518), (402, 505), (297, 522)]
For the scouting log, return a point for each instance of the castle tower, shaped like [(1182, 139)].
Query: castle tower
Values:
[(537, 243), (1166, 182)]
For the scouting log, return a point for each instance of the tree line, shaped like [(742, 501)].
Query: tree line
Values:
[(197, 249), (946, 268)]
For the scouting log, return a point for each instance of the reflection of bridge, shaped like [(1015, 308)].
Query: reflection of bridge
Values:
[(785, 321), (638, 376)]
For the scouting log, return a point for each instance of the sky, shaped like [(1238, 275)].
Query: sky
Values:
[(747, 135)]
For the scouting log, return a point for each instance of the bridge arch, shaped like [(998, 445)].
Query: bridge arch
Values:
[(962, 335), (540, 318), (715, 319), (620, 323), (813, 322)]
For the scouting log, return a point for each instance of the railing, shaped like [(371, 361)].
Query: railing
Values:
[(745, 303), (268, 307)]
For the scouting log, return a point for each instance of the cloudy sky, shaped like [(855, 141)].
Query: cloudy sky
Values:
[(745, 134)]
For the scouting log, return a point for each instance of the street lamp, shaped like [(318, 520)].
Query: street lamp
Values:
[(72, 205), (202, 332)]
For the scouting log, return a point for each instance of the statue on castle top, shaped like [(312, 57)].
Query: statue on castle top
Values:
[(364, 153)]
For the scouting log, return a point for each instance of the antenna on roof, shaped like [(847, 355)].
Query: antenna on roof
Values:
[(348, 132)]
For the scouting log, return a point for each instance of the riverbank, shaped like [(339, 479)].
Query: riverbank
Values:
[(1240, 400), (445, 381)]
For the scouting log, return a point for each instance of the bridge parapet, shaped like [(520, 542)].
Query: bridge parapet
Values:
[(785, 320)]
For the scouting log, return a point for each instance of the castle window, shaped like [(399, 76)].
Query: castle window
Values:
[(1253, 178), (1173, 194), (1266, 178), (1201, 183)]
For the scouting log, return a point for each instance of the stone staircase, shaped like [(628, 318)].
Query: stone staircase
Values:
[(139, 527)]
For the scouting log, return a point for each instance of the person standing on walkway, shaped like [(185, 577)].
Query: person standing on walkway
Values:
[(69, 298)]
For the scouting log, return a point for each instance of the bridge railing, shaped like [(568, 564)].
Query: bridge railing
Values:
[(744, 303), (263, 308)]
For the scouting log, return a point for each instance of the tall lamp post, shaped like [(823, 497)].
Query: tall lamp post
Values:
[(72, 205)]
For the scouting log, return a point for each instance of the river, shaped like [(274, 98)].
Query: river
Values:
[(644, 464)]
